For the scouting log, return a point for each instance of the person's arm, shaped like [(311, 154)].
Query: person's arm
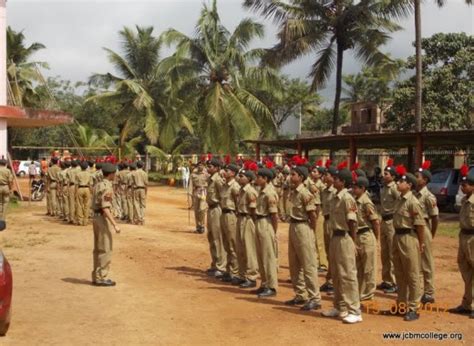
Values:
[(420, 232), (376, 228), (434, 225), (108, 215), (418, 222), (312, 219), (274, 219), (352, 229)]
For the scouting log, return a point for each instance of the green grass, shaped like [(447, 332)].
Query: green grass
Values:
[(449, 229)]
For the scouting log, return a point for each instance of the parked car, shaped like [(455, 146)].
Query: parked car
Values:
[(22, 169), (6, 288), (460, 194), (444, 185)]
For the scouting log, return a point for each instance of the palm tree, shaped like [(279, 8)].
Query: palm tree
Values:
[(330, 27), (21, 72), (211, 71), (141, 88)]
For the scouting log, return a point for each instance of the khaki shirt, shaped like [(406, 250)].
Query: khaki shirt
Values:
[(139, 178), (199, 183), (267, 201), (302, 201), (326, 196), (466, 215), (366, 211), (428, 203), (408, 213), (84, 178), (388, 198), (247, 199), (53, 172), (71, 175), (229, 193), (121, 177), (6, 176), (103, 195), (343, 210), (215, 181), (312, 186)]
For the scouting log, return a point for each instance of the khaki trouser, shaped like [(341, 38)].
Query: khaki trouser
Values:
[(4, 199), (302, 261), (139, 204), (406, 259), (327, 241), (267, 262), (123, 201), (319, 242), (386, 251), (117, 204), (83, 205), (344, 274), (65, 203), (53, 195), (102, 253), (72, 204), (366, 260), (229, 240), (199, 206), (131, 213), (48, 201), (466, 267), (281, 205), (427, 264), (246, 248), (60, 204), (214, 237)]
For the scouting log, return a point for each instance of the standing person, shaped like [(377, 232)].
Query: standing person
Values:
[(430, 211), (302, 245), (44, 165), (266, 222), (368, 232), (285, 195), (466, 244), (60, 189), (129, 180), (408, 245), (122, 187), (72, 173), (64, 189), (52, 179), (6, 183), (32, 172), (342, 250), (229, 193), (83, 192), (388, 197), (103, 223), (140, 189), (199, 190), (248, 263), (277, 183), (186, 175)]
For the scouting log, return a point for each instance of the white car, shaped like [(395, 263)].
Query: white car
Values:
[(23, 168)]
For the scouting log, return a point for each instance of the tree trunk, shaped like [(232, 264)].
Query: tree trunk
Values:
[(418, 81), (337, 99)]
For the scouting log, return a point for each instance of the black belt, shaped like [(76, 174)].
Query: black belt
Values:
[(293, 220), (403, 230), (53, 181), (243, 214), (71, 184), (326, 217), (467, 231), (227, 211), (81, 186), (387, 217), (213, 206), (339, 233), (139, 187), (4, 184), (261, 216), (363, 230)]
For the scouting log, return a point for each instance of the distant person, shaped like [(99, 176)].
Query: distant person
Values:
[(186, 174), (44, 165), (32, 171), (6, 182)]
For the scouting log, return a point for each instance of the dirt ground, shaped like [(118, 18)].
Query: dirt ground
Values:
[(163, 295)]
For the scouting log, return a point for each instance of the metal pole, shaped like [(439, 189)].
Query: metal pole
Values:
[(3, 77), (418, 79)]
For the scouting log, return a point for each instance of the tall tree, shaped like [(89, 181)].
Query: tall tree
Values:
[(330, 28), (212, 70)]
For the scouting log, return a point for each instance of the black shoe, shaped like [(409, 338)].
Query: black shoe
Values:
[(460, 310), (427, 299), (226, 277), (326, 286), (471, 316), (311, 305), (296, 301), (330, 291), (411, 316), (383, 286), (391, 289), (258, 290), (104, 283), (211, 272), (268, 292), (237, 281), (322, 270), (201, 230), (248, 284), (218, 274)]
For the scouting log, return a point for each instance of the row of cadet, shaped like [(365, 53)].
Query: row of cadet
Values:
[(329, 204), (69, 187)]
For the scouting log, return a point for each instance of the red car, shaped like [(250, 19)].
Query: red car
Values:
[(6, 287)]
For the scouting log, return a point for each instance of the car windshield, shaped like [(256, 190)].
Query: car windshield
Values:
[(440, 176)]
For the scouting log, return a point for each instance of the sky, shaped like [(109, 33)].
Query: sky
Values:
[(75, 31)]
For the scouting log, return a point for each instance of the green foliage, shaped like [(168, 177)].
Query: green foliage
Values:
[(448, 82), (321, 120)]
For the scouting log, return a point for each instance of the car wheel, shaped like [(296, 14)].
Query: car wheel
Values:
[(22, 174)]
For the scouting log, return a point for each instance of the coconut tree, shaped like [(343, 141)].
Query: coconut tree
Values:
[(330, 28), (210, 70)]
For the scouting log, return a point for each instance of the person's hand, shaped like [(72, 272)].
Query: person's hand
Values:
[(422, 247), (117, 229), (358, 251)]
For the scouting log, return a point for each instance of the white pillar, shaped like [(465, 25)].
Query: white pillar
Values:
[(3, 75)]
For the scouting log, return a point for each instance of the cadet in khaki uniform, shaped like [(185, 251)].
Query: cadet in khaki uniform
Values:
[(6, 182), (408, 245), (214, 212), (83, 192), (342, 251), (388, 198), (52, 179), (103, 222), (129, 180), (140, 187), (64, 189), (430, 214), (72, 173), (59, 188), (368, 231), (199, 189), (247, 256), (117, 200), (266, 223), (466, 243), (122, 190), (228, 195), (301, 246), (277, 183), (286, 193)]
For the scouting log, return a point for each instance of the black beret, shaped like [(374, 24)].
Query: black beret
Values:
[(98, 165), (321, 169), (84, 164), (409, 178), (3, 162), (140, 164), (133, 166), (74, 163), (54, 159), (301, 170), (125, 165), (274, 173), (67, 164), (214, 162), (233, 168), (286, 170), (248, 173), (362, 182), (332, 170), (108, 168), (360, 173), (345, 175), (425, 173), (265, 172), (468, 178)]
